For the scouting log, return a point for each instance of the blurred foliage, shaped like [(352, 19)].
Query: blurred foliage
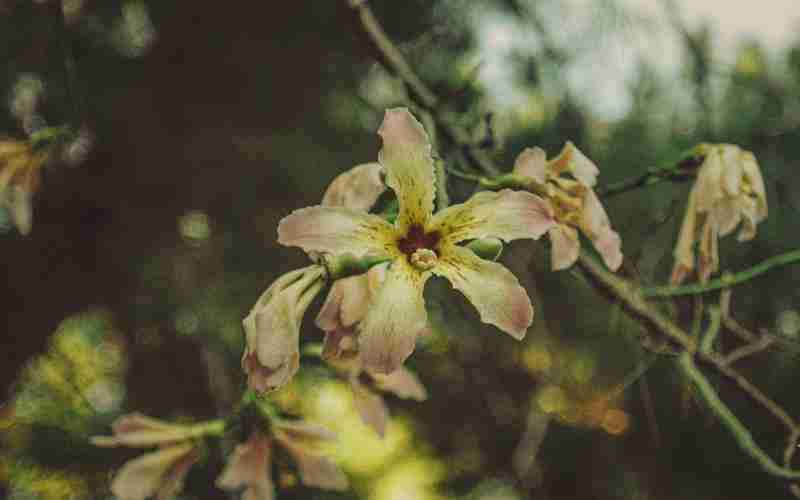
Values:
[(213, 121)]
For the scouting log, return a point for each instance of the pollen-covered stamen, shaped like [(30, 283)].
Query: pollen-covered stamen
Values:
[(424, 259), (420, 247)]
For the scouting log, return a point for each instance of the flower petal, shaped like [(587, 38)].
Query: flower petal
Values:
[(753, 175), (402, 382), (315, 470), (597, 226), (507, 215), (357, 189), (571, 159), (492, 289), (346, 303), (336, 230), (565, 246), (137, 430), (684, 248), (370, 407), (143, 477), (406, 159), (249, 467), (388, 333), (532, 162), (708, 260)]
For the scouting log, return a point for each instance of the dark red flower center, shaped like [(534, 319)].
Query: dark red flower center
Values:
[(417, 238)]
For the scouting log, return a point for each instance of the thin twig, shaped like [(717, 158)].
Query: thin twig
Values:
[(394, 62), (749, 349), (74, 94), (727, 280)]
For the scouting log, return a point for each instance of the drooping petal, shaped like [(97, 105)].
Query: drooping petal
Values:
[(731, 169), (748, 208), (370, 407), (340, 344), (507, 215), (137, 430), (336, 230), (407, 162), (346, 303), (571, 160), (532, 162), (402, 382), (565, 246), (272, 328), (357, 189), (752, 174), (301, 440), (727, 215), (388, 333), (143, 477), (249, 467), (708, 258), (172, 483), (708, 186), (684, 248), (597, 226), (493, 290)]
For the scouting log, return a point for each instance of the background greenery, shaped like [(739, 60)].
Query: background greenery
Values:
[(213, 120)]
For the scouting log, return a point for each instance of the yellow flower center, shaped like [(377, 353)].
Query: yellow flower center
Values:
[(424, 259)]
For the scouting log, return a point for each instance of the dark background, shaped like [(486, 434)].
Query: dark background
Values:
[(240, 112)]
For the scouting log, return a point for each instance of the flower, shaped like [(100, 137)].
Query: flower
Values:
[(271, 356), (729, 189), (421, 244), (20, 175), (573, 202), (346, 305), (160, 472), (250, 464)]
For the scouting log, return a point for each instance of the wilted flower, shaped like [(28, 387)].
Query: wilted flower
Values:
[(729, 189), (566, 182), (20, 175), (272, 328), (250, 464), (160, 472), (421, 244)]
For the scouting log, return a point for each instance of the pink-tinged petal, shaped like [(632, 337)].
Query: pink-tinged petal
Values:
[(507, 215), (249, 467), (565, 247), (597, 226), (571, 160), (684, 248), (172, 483), (402, 382), (408, 164), (346, 303), (337, 231), (532, 162), (340, 344), (388, 333), (493, 290), (145, 476), (357, 189), (305, 433), (315, 470), (370, 407), (140, 431), (272, 328), (609, 245)]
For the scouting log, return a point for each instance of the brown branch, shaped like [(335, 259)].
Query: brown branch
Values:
[(395, 63), (749, 349)]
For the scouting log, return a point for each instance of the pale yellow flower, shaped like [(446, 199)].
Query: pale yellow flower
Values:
[(20, 176), (566, 182), (729, 190), (271, 356), (159, 473), (421, 244)]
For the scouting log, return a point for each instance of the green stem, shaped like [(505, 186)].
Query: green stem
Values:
[(710, 335), (726, 280), (739, 432), (214, 428)]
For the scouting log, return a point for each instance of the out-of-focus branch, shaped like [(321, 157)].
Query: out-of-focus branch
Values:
[(727, 280), (74, 93), (394, 62)]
